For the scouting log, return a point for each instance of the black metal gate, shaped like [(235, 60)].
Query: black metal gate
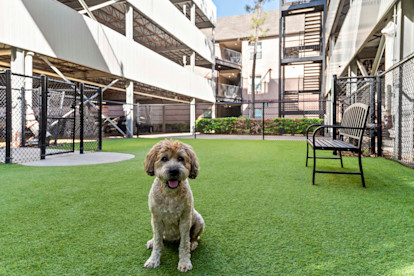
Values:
[(61, 117)]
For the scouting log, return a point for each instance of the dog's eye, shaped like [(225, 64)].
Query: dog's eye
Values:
[(180, 159), (164, 159)]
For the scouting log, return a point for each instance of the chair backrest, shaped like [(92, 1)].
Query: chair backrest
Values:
[(355, 116)]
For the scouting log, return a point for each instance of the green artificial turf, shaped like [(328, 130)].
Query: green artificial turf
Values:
[(263, 216)]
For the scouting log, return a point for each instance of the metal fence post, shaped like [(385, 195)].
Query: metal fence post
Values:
[(23, 98), (8, 116), (334, 86), (195, 121), (43, 122), (372, 115), (81, 118), (74, 117), (263, 121), (100, 118), (379, 115), (398, 119)]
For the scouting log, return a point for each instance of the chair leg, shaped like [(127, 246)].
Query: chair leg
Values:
[(314, 166), (340, 156), (307, 153), (360, 169)]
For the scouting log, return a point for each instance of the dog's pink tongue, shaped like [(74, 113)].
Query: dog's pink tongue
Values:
[(173, 184)]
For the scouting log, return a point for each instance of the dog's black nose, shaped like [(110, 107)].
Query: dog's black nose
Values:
[(174, 172)]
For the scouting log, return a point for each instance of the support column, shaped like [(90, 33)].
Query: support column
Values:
[(164, 130), (17, 66), (129, 21), (192, 19), (389, 33), (352, 72), (192, 115), (192, 61), (192, 12), (129, 109), (213, 76), (31, 122)]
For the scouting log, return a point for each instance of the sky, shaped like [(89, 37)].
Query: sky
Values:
[(236, 7)]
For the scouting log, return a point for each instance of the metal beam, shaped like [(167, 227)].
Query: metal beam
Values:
[(109, 85), (103, 5), (86, 8), (361, 68), (55, 69), (180, 1), (378, 56), (5, 52)]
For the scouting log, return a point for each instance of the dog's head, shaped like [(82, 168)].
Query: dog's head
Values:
[(172, 162)]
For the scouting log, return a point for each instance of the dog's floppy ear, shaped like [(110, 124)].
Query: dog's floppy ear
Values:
[(194, 162), (151, 158)]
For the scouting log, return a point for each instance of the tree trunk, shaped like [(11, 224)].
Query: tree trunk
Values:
[(254, 79), (254, 83)]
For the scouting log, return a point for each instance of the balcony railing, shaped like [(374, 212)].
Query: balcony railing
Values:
[(295, 2), (228, 92), (229, 55), (297, 48)]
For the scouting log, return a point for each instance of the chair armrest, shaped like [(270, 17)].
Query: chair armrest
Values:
[(309, 127)]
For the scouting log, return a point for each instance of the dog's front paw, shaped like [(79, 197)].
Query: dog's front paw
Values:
[(149, 244), (193, 245), (151, 263), (184, 266)]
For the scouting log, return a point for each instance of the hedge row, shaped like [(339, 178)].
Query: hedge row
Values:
[(242, 125)]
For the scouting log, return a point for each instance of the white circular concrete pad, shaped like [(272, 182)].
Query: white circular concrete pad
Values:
[(76, 159)]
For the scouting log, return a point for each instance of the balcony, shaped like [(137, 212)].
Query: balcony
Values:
[(232, 56), (228, 59), (290, 7), (303, 47), (228, 93)]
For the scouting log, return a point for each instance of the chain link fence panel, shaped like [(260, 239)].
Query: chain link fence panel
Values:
[(36, 108), (350, 90), (398, 112), (60, 133), (2, 116), (91, 118)]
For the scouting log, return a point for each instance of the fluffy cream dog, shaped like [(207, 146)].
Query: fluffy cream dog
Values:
[(171, 202)]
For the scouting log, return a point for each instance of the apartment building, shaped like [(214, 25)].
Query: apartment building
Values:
[(139, 51), (234, 61), (363, 37), (370, 50)]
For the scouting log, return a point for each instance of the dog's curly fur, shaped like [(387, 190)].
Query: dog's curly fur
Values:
[(173, 216)]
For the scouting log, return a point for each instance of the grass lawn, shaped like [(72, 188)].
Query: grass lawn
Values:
[(263, 216)]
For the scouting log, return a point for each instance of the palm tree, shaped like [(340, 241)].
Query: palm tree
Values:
[(258, 20)]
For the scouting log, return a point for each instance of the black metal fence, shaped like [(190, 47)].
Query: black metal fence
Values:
[(390, 96), (235, 118), (42, 116)]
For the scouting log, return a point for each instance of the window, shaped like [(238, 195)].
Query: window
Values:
[(257, 113), (259, 50), (257, 83), (207, 113)]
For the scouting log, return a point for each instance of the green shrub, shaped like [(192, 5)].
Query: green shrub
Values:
[(243, 125)]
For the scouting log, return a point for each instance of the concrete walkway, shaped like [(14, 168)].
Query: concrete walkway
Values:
[(224, 136), (76, 159)]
